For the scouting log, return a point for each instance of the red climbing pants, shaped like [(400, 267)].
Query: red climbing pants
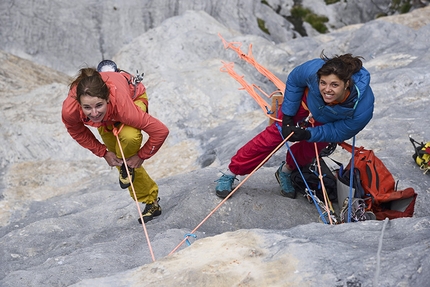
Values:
[(256, 150)]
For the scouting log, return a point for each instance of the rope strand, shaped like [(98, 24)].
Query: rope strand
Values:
[(351, 179), (233, 191), (235, 46), (378, 254), (228, 68), (327, 202), (116, 133)]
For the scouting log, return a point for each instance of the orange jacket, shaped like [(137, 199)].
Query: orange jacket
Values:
[(121, 108)]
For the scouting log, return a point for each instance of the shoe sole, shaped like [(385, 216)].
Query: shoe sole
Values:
[(148, 218), (285, 194), (223, 193), (124, 186)]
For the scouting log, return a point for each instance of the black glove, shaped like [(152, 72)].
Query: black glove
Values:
[(287, 125), (300, 134), (287, 121)]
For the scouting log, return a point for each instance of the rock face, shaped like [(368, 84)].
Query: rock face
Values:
[(65, 35), (65, 222), (290, 258)]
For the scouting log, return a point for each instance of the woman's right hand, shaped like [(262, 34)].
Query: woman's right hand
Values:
[(112, 160)]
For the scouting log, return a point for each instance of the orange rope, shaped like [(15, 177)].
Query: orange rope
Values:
[(327, 202), (228, 67), (250, 88), (235, 46), (233, 191), (116, 133)]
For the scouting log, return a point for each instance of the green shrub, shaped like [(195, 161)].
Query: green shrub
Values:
[(317, 22), (299, 12), (405, 8), (401, 6), (265, 3), (262, 26), (305, 14), (328, 2)]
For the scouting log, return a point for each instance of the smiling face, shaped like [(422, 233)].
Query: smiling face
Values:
[(332, 88), (93, 107)]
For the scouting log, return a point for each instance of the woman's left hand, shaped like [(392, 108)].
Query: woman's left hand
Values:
[(134, 161)]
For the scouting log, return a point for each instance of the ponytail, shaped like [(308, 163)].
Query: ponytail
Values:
[(89, 82)]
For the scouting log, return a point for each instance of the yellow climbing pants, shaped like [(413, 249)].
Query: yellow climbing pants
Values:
[(131, 140)]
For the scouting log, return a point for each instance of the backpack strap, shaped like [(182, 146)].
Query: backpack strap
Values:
[(348, 147), (133, 81)]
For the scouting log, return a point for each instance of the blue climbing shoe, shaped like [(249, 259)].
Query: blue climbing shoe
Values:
[(284, 180), (224, 186)]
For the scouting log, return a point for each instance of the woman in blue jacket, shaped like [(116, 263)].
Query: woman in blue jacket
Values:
[(333, 93)]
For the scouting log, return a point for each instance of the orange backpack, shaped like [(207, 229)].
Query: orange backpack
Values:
[(379, 186)]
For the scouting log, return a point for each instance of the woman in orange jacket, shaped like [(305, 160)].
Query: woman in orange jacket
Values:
[(111, 100)]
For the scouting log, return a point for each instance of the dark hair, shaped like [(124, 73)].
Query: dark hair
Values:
[(343, 66), (90, 83)]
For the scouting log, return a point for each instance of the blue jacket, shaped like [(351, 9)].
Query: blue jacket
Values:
[(341, 121)]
